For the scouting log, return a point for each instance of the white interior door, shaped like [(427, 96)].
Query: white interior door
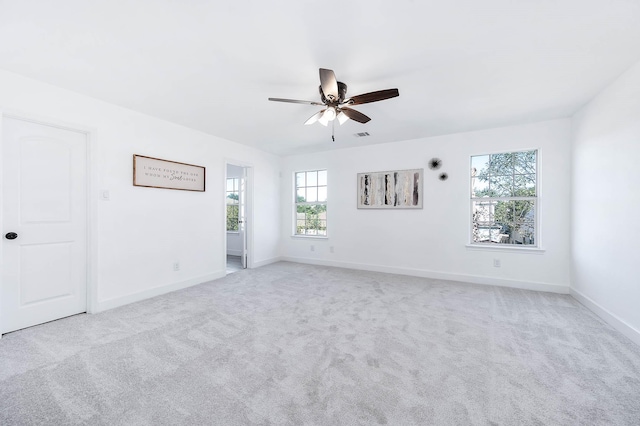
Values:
[(44, 265), (242, 217)]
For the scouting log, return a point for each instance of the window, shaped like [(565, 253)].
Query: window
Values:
[(504, 193), (311, 203), (233, 203)]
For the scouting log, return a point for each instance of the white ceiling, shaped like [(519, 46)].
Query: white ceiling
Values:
[(211, 65)]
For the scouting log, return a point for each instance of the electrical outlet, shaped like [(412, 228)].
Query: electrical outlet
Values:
[(313, 248), (331, 249), (496, 263), (176, 266)]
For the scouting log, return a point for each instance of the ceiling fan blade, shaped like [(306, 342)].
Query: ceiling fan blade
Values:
[(355, 115), (329, 83), (295, 101), (379, 95), (314, 118)]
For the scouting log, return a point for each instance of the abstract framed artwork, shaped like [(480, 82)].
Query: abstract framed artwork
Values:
[(156, 173), (399, 189)]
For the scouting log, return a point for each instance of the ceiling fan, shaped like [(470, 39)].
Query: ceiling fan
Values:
[(333, 95)]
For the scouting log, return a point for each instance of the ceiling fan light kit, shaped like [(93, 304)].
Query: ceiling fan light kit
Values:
[(342, 117), (333, 94), (329, 113), (313, 118)]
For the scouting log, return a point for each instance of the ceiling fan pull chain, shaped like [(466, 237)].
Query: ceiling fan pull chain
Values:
[(333, 130)]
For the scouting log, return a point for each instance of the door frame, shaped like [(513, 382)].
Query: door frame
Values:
[(248, 167), (91, 188)]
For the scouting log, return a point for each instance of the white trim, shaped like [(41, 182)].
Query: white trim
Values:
[(93, 199), (609, 317), (311, 237), (249, 208), (473, 279), (156, 291), (234, 252), (537, 199), (1, 209), (91, 181), (294, 188), (511, 248), (47, 121), (268, 261)]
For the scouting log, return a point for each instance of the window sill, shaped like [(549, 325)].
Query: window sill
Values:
[(509, 248), (233, 232), (313, 237)]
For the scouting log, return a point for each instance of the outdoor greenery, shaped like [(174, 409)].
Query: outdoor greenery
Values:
[(311, 198), (232, 218), (310, 218), (233, 211), (511, 178)]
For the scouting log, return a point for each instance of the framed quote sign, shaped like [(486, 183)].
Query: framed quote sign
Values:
[(156, 173)]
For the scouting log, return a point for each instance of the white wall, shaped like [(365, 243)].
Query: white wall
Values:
[(140, 232), (432, 241), (234, 242), (606, 203)]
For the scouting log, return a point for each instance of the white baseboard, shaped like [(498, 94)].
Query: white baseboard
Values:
[(156, 291), (267, 262), (474, 279), (610, 318), (234, 252)]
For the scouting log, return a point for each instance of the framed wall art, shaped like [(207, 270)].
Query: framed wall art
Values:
[(399, 189), (156, 173)]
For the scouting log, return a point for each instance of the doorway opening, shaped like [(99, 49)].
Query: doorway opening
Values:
[(237, 209)]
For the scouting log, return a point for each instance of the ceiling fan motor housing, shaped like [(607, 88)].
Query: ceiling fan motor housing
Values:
[(342, 93)]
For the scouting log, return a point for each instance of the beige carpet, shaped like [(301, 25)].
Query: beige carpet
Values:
[(291, 344)]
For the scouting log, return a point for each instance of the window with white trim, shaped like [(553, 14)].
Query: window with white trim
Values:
[(311, 203), (233, 204), (504, 198)]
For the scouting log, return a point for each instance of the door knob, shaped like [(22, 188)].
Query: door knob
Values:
[(11, 236)]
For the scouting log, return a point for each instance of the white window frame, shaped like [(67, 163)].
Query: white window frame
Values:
[(227, 192), (536, 247), (296, 203)]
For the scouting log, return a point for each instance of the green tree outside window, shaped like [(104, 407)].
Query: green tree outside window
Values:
[(504, 195)]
